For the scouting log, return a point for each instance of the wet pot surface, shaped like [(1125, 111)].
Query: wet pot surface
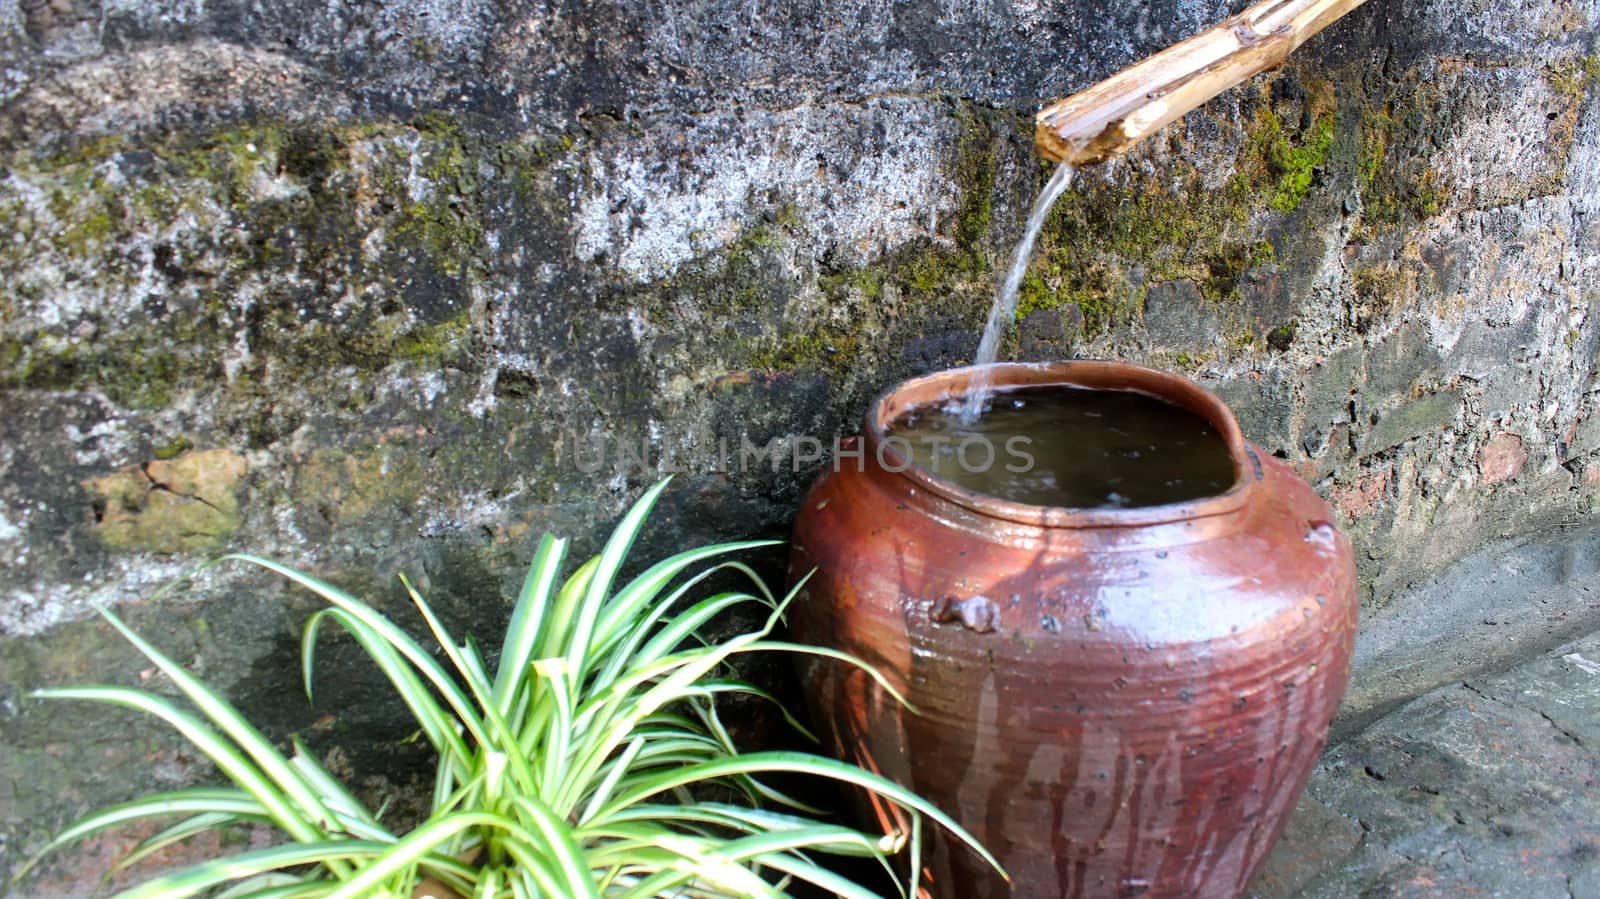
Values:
[(1116, 701)]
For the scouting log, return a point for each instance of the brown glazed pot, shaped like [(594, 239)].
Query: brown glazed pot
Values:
[(1117, 702)]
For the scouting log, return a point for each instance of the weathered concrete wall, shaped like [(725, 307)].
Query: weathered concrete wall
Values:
[(351, 284)]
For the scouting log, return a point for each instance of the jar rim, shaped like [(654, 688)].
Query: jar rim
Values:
[(1092, 374)]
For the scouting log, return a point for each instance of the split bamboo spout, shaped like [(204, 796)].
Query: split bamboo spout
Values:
[(1107, 119)]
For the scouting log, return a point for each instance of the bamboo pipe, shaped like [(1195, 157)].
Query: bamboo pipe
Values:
[(1105, 120)]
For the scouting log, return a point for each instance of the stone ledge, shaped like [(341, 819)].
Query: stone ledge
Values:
[(1484, 787)]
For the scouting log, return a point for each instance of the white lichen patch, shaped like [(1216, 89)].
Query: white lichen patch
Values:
[(1512, 146), (477, 510), (67, 223), (39, 606), (455, 27), (418, 186), (855, 179), (165, 12), (105, 443), (14, 543)]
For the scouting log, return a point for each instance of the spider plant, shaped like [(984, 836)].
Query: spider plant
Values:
[(591, 762)]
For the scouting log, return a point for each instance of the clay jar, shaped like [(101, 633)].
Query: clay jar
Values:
[(1117, 702)]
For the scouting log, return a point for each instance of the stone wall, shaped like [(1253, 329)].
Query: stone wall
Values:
[(364, 287)]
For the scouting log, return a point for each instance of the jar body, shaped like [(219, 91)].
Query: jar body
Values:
[(1113, 705)]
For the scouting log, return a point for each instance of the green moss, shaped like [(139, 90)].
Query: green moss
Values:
[(526, 163), (1380, 290), (763, 237), (1394, 170), (1573, 81), (80, 149), (936, 271), (1396, 192), (1102, 244), (87, 231), (931, 271), (1093, 291), (1374, 130), (173, 447), (1574, 78), (868, 282), (1228, 264), (149, 380), (1033, 295), (12, 354), (288, 201), (823, 345), (374, 346), (1108, 238), (1282, 337), (1102, 310), (141, 369), (1295, 160), (431, 346), (1101, 234), (825, 349), (445, 224), (448, 222), (974, 176), (228, 159), (1098, 237), (771, 233)]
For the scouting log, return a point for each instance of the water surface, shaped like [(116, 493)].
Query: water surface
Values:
[(1057, 445)]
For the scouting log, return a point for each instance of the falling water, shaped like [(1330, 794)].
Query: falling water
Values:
[(1005, 305)]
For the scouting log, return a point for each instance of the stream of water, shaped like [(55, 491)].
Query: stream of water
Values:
[(1005, 305)]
